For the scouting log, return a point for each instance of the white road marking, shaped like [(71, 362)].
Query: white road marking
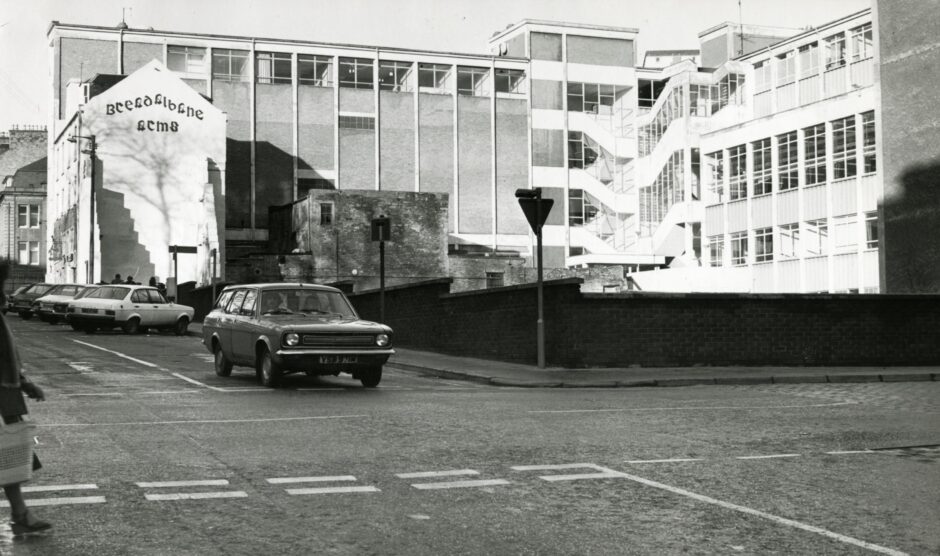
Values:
[(153, 392), (425, 474), (196, 495), (770, 456), (689, 408), (80, 366), (603, 472), (147, 364), (59, 501), (674, 460), (50, 488), (164, 484), (330, 490), (286, 480), (852, 452), (738, 508), (118, 394), (419, 516), (460, 484), (200, 421)]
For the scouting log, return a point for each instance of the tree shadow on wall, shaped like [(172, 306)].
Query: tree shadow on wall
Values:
[(911, 240)]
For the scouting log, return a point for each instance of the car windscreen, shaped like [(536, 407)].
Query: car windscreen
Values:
[(39, 289), (109, 292), (305, 300), (63, 289), (85, 291)]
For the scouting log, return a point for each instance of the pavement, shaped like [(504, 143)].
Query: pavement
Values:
[(499, 373)]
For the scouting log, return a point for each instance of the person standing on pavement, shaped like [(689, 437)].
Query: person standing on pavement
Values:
[(12, 409)]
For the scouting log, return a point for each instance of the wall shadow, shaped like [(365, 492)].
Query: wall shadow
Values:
[(911, 242)]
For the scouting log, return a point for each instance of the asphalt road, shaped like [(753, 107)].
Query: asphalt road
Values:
[(146, 451)]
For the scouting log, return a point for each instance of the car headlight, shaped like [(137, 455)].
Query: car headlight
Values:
[(292, 339), (382, 340)]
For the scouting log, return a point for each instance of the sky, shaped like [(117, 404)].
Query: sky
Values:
[(445, 25)]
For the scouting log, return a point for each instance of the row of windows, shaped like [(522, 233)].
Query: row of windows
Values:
[(356, 122), (355, 73), (705, 100), (794, 240), (844, 158), (836, 56)]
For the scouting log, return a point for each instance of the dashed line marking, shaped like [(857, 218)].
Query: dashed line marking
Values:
[(427, 474), (169, 484), (673, 460), (686, 408), (460, 484), (845, 452), (200, 421), (770, 456), (288, 480), (603, 472), (330, 490), (196, 495), (69, 500), (51, 488)]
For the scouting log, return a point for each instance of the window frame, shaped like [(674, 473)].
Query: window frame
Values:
[(844, 145), (716, 250), (763, 245), (762, 77), (871, 230), (401, 81), (275, 62), (188, 53), (322, 70), (869, 143), (809, 60), (786, 67), (27, 215), (816, 237), (762, 167), (836, 55), (739, 254), (438, 75), (324, 219), (788, 161), (789, 240), (356, 68), (814, 161), (737, 172), (509, 81), (229, 55), (862, 40), (479, 81)]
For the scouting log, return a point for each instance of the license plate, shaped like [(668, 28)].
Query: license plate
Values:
[(333, 359), (89, 310)]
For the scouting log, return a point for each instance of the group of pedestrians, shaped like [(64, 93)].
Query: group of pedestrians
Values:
[(130, 281)]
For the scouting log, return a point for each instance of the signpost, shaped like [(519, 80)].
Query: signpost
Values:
[(536, 210), (381, 232)]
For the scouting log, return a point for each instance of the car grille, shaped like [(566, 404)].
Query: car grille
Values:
[(60, 307), (327, 340)]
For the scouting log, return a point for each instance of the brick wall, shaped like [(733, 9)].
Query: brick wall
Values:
[(619, 330)]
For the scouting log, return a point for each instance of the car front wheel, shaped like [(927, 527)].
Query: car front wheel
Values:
[(370, 378), (26, 315), (269, 372), (223, 367)]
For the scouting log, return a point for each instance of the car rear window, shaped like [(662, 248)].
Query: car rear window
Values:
[(109, 292), (39, 288)]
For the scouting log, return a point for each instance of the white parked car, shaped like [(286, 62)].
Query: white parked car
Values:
[(132, 308)]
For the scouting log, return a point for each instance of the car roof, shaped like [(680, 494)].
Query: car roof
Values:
[(283, 285)]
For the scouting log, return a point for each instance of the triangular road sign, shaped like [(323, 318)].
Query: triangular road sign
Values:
[(531, 210)]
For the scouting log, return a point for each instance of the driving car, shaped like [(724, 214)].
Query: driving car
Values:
[(133, 308), (282, 328), (22, 302), (45, 307)]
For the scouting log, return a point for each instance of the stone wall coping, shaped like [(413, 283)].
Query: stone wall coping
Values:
[(526, 286), (422, 283), (761, 296)]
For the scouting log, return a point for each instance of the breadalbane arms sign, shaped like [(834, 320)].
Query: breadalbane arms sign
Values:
[(147, 101)]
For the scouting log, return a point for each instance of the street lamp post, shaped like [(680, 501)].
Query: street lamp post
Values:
[(92, 151)]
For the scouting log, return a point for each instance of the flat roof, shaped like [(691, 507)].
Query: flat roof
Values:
[(804, 33), (149, 31), (569, 25)]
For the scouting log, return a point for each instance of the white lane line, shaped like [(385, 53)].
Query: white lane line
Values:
[(841, 452), (553, 466), (155, 392), (330, 490), (674, 460), (118, 394), (460, 484), (59, 501), (287, 480), (200, 421), (751, 511), (426, 474), (196, 495), (689, 408), (164, 484), (147, 364), (770, 456), (50, 488), (80, 366)]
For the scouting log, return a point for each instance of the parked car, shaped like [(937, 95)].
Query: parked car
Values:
[(22, 302), (7, 302), (282, 328), (133, 308), (60, 294)]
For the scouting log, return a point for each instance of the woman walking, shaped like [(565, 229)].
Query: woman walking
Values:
[(12, 408)]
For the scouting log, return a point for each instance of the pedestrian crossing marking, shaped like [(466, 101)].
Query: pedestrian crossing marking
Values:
[(64, 501), (603, 472), (196, 495), (49, 488), (427, 474), (460, 484), (330, 490), (164, 484), (285, 480)]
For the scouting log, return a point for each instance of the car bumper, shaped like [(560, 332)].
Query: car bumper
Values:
[(19, 306), (313, 359)]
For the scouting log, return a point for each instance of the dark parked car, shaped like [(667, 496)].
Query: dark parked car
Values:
[(284, 328), (9, 303), (22, 302), (51, 306)]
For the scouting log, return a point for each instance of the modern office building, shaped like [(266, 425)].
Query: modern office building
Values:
[(749, 165)]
